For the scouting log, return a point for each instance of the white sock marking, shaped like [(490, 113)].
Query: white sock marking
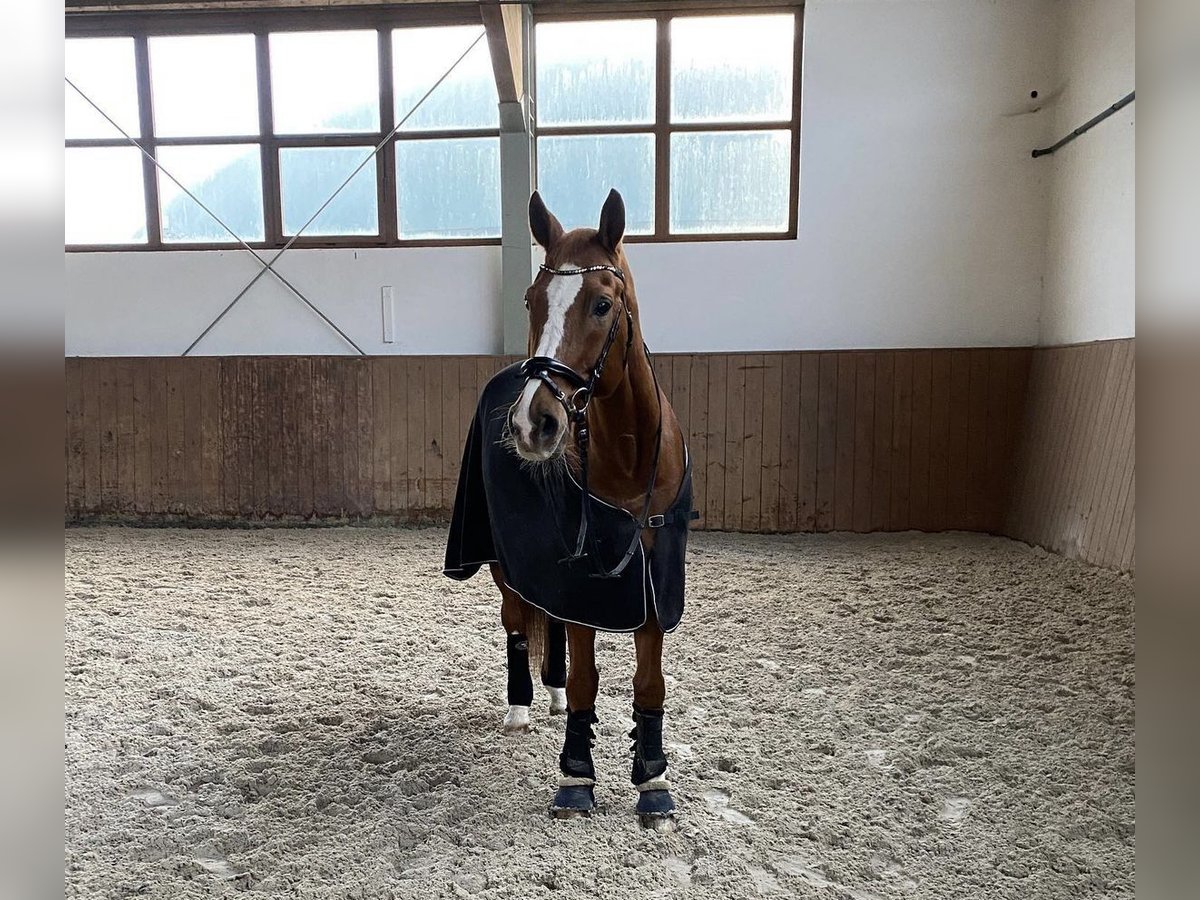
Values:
[(558, 700)]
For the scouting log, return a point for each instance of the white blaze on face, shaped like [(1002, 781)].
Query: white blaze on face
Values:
[(560, 294)]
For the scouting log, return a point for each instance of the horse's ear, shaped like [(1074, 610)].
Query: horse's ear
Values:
[(612, 221), (546, 229)]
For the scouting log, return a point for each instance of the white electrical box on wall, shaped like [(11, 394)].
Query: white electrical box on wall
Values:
[(389, 315)]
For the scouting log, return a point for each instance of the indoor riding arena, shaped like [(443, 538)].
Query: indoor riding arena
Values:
[(881, 255)]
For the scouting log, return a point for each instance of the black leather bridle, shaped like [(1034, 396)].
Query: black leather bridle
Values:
[(576, 407)]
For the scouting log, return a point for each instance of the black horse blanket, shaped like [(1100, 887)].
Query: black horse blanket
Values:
[(528, 522)]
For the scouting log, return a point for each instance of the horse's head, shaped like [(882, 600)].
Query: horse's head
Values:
[(581, 319)]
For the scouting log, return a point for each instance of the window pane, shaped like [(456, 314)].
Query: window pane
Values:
[(308, 176), (325, 81), (732, 68), (103, 69), (466, 99), (730, 181), (576, 173), (105, 196), (595, 72), (448, 188), (226, 178), (204, 85)]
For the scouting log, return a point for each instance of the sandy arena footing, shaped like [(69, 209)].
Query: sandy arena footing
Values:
[(317, 713)]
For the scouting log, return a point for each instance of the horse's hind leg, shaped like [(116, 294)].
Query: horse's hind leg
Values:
[(655, 806), (554, 666), (520, 683)]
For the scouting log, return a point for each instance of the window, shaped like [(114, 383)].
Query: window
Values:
[(261, 119), (693, 117)]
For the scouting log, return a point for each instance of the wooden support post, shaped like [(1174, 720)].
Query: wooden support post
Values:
[(509, 31)]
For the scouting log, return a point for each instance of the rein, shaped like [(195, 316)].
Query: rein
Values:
[(576, 407)]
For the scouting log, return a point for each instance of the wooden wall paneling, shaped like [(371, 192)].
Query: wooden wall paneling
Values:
[(398, 434), (901, 442), (1063, 432), (864, 439), (450, 440), (808, 441), (1075, 480), (1072, 481), (73, 437), (790, 448), (109, 498), (1105, 488), (939, 440), (681, 391), (883, 425), (1119, 480), (752, 442), (433, 435), (1020, 368), (698, 427), (735, 420), (322, 437), (1068, 381), (178, 492), (772, 451), (921, 448), (843, 493), (416, 435), (996, 442), (124, 436), (714, 514), (209, 388), (976, 493), (960, 402), (359, 425), (1118, 549), (828, 381)]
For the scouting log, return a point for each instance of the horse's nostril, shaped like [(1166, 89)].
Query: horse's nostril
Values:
[(549, 427)]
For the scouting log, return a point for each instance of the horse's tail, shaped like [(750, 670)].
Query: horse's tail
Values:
[(536, 628)]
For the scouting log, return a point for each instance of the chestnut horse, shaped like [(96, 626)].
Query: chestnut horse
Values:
[(589, 408)]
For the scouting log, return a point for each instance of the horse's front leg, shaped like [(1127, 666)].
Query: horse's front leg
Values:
[(575, 795), (655, 806)]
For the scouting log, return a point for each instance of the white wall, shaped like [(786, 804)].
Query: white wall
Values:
[(158, 303), (922, 223), (1089, 292)]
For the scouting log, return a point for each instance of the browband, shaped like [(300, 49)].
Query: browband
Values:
[(583, 270)]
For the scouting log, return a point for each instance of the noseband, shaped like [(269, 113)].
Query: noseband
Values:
[(576, 407)]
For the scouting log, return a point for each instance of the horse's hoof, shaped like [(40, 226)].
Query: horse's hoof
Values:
[(656, 810), (572, 801), (661, 824), (558, 701), (516, 721)]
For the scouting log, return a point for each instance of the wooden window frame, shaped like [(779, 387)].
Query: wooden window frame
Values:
[(662, 128), (260, 24), (140, 26)]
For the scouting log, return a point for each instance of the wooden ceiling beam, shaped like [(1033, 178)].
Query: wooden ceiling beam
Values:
[(505, 37)]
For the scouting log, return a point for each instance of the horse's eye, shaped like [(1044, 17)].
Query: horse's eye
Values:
[(602, 307), (527, 302)]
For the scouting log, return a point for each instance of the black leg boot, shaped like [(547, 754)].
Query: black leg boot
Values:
[(654, 804), (554, 666), (574, 796), (520, 684)]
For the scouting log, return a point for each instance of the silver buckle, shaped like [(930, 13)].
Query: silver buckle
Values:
[(657, 521)]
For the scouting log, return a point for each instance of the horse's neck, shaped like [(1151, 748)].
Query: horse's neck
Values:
[(625, 434)]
